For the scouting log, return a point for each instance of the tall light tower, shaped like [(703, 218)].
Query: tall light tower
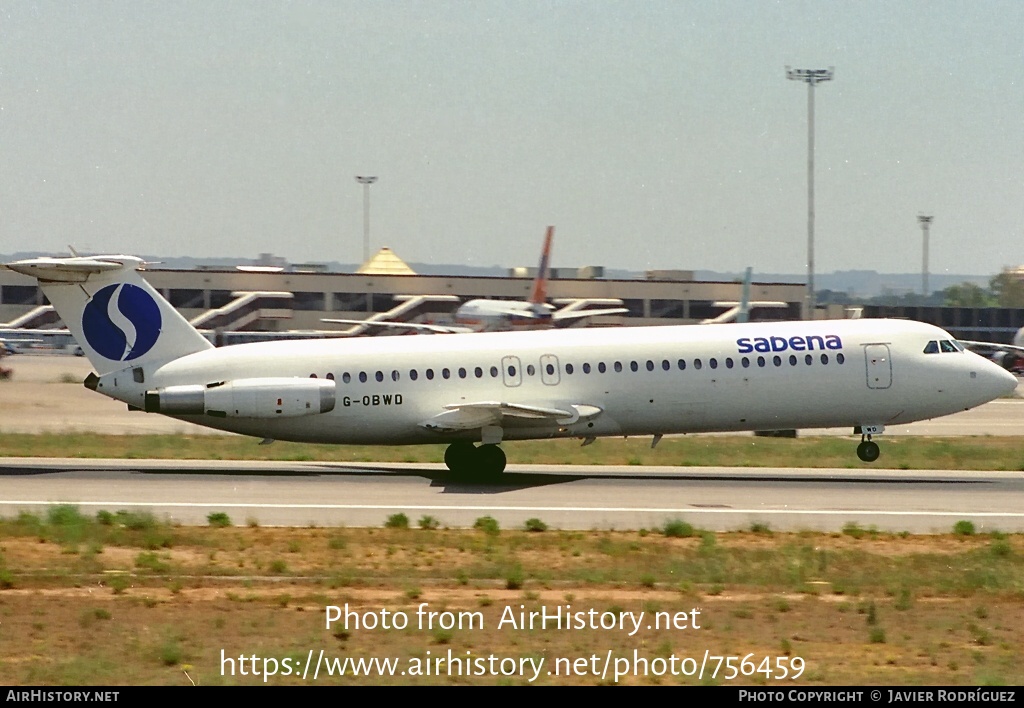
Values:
[(925, 222), (366, 182), (812, 77)]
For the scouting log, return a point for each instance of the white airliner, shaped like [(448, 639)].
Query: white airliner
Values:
[(487, 315), (490, 387)]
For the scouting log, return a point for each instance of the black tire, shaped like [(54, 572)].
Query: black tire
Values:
[(491, 459), (459, 456), (868, 451)]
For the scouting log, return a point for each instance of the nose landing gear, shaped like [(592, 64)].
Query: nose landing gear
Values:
[(868, 450)]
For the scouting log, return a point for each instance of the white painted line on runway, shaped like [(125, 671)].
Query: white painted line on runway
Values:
[(606, 509)]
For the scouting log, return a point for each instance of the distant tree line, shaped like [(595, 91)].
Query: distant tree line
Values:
[(1004, 290)]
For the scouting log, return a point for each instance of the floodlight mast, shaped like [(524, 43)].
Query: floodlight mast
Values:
[(925, 221), (366, 182), (812, 77)]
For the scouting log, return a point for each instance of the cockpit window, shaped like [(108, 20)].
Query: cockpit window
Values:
[(943, 345)]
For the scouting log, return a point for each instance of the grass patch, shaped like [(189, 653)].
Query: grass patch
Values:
[(677, 528), (218, 519), (959, 453), (397, 521)]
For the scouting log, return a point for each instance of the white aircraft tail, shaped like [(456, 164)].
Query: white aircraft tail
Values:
[(117, 317)]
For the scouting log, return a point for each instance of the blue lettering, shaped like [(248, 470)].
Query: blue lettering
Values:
[(798, 343)]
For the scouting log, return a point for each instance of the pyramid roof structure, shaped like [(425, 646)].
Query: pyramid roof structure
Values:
[(385, 262)]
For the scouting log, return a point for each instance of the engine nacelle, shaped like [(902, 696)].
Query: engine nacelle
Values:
[(246, 398)]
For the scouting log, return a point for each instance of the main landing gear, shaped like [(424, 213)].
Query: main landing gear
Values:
[(868, 450), (466, 459)]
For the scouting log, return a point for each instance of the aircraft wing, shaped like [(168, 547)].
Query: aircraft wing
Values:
[(580, 314), (417, 326), (575, 309), (467, 416), (1009, 356)]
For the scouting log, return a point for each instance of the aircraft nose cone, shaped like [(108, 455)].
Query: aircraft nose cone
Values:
[(996, 380), (1007, 382)]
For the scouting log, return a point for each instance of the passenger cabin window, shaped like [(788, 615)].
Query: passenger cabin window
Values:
[(346, 377), (569, 368)]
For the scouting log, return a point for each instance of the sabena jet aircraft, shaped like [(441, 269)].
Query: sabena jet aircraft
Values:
[(474, 391)]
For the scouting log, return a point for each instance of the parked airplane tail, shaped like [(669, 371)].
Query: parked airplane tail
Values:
[(539, 295), (119, 320)]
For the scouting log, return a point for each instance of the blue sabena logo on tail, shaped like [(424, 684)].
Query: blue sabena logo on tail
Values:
[(121, 322)]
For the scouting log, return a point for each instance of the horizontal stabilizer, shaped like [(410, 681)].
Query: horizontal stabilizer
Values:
[(76, 269)]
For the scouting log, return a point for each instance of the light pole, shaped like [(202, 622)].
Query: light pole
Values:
[(366, 182), (925, 222), (812, 77)]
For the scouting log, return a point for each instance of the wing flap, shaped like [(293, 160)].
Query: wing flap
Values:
[(468, 416)]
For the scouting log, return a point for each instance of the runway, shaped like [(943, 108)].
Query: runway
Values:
[(576, 497)]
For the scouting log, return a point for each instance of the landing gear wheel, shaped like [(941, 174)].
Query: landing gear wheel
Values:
[(459, 456), (868, 451), (491, 459)]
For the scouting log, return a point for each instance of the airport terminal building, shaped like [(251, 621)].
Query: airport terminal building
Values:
[(244, 303), (277, 299)]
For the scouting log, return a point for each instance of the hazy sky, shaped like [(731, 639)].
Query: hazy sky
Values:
[(651, 134)]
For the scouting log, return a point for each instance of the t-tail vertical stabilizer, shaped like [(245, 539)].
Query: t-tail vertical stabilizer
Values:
[(539, 295), (119, 320)]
